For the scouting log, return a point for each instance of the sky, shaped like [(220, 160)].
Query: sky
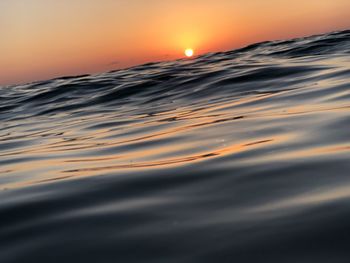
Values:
[(43, 39)]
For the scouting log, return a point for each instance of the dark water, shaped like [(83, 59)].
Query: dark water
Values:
[(242, 156)]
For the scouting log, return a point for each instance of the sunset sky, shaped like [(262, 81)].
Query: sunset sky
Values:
[(42, 39)]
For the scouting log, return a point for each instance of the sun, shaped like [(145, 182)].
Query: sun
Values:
[(189, 52)]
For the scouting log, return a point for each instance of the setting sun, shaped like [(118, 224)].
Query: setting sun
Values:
[(189, 52)]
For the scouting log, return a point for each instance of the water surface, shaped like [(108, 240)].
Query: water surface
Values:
[(239, 156)]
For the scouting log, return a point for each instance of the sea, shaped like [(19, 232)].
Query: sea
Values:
[(238, 156)]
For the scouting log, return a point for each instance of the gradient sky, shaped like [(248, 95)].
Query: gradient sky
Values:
[(42, 39)]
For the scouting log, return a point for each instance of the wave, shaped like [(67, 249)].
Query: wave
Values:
[(230, 156)]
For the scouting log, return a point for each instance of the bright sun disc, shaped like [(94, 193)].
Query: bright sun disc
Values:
[(189, 52)]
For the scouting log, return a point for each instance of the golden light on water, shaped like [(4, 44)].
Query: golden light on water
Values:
[(189, 52)]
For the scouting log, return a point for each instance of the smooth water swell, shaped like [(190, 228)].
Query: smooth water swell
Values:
[(241, 156)]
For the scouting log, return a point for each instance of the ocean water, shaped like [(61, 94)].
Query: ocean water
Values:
[(239, 156)]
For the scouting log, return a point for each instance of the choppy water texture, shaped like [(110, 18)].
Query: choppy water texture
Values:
[(241, 156)]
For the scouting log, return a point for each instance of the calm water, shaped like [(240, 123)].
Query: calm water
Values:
[(242, 156)]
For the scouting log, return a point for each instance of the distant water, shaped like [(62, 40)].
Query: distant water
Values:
[(241, 156)]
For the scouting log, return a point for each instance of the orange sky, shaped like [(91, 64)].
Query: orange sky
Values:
[(41, 39)]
